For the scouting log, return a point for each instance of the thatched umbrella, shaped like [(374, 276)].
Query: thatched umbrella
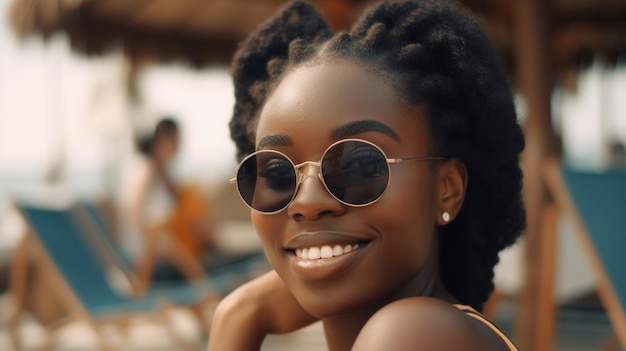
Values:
[(204, 32), (199, 32), (196, 32)]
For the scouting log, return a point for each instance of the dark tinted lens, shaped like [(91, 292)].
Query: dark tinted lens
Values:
[(355, 172), (266, 181)]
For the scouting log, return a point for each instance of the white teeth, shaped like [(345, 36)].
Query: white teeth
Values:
[(326, 251), (337, 250), (314, 253)]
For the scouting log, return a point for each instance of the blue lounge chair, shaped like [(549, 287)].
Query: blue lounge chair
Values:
[(82, 282), (232, 271), (595, 203)]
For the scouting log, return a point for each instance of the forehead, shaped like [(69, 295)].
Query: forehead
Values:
[(333, 81), (313, 99)]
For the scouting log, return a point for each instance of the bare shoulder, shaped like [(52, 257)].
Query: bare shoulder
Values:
[(425, 324)]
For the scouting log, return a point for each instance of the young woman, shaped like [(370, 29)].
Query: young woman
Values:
[(381, 166), (166, 226)]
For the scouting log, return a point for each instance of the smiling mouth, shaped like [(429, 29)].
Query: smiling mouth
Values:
[(325, 251)]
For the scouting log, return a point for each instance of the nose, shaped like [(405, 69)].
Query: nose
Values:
[(312, 200)]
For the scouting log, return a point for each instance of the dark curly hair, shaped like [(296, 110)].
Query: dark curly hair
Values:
[(435, 53), (167, 126)]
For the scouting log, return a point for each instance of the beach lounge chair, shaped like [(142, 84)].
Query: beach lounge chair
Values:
[(595, 203), (228, 272), (79, 281)]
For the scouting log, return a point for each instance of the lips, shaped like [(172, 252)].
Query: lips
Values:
[(318, 256)]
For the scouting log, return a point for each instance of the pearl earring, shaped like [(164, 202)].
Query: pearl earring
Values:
[(445, 216)]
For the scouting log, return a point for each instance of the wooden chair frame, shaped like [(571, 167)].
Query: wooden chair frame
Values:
[(555, 183)]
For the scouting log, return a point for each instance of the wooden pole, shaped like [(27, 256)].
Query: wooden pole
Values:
[(544, 323), (534, 83)]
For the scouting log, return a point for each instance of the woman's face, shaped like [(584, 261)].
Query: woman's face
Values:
[(166, 147), (312, 107)]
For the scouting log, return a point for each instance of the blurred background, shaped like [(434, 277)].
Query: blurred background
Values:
[(82, 81)]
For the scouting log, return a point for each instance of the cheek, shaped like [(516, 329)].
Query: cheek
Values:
[(269, 228), (410, 196), (263, 225), (406, 216), (407, 236)]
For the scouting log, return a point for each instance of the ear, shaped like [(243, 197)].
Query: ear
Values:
[(450, 189)]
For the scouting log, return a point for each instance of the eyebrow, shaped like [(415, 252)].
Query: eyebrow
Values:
[(275, 140), (358, 127), (341, 132)]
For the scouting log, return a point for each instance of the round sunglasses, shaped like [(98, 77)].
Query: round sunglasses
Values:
[(355, 172)]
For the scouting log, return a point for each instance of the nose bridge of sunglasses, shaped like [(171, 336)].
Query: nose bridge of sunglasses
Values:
[(309, 169)]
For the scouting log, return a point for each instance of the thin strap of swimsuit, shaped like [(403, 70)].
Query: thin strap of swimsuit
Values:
[(476, 315)]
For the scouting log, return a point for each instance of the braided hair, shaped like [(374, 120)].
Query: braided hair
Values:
[(434, 53)]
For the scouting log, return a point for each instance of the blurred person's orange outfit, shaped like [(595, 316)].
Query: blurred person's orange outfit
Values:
[(190, 222)]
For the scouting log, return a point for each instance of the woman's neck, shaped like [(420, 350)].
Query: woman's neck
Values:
[(341, 332)]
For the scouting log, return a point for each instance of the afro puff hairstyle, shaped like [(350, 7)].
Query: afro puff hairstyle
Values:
[(436, 54)]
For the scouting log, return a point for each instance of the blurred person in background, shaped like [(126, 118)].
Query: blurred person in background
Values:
[(166, 228)]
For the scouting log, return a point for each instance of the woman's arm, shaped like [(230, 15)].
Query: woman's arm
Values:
[(262, 306), (133, 201)]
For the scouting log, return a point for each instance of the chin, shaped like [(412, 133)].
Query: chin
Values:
[(330, 302)]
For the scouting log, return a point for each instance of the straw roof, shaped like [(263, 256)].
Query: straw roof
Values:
[(203, 32), (200, 32)]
